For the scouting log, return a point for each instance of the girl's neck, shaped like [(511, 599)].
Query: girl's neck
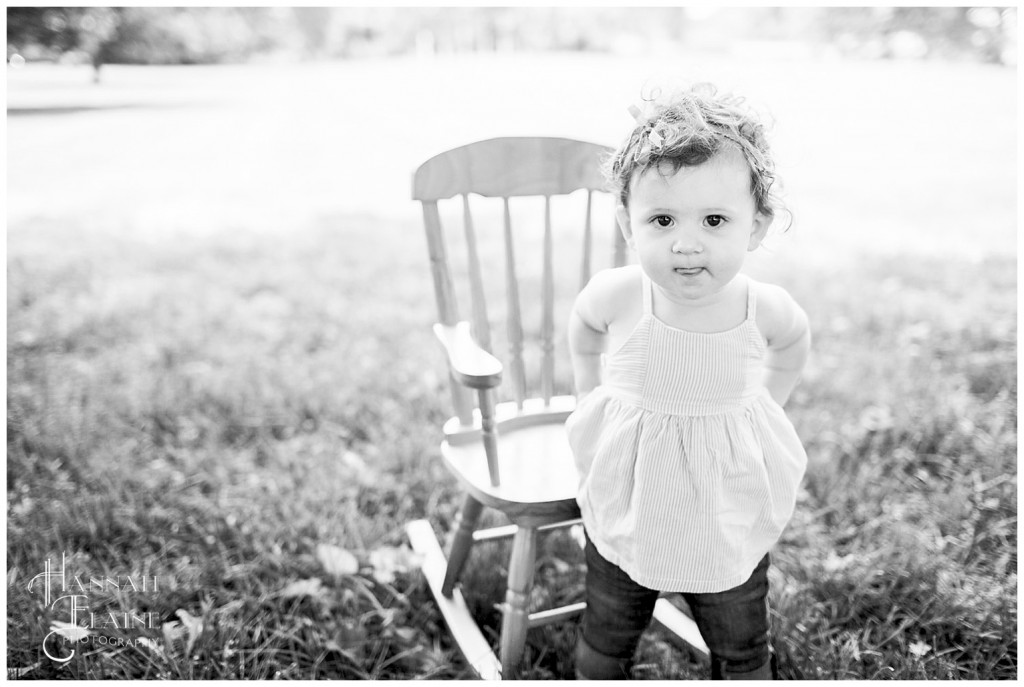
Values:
[(718, 311)]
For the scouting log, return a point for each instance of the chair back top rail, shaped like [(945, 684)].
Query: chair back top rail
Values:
[(512, 166)]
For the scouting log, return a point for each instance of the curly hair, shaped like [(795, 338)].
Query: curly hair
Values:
[(687, 128)]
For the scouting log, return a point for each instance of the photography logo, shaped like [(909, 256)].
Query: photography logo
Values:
[(67, 594)]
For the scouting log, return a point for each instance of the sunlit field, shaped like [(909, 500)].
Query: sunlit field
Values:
[(221, 377)]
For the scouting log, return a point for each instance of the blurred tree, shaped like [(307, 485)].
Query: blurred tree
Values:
[(145, 35), (948, 32), (167, 35), (314, 22), (62, 29), (163, 35)]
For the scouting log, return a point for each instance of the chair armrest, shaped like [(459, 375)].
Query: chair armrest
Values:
[(470, 364)]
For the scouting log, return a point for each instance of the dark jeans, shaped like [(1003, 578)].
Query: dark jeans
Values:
[(734, 623)]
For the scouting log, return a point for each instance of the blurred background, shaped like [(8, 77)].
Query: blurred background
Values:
[(283, 113), (140, 35), (219, 361)]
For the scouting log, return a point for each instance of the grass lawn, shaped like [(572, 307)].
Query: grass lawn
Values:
[(248, 418)]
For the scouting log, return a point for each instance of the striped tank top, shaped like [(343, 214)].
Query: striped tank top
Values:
[(688, 468)]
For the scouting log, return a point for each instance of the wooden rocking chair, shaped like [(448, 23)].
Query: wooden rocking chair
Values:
[(512, 456)]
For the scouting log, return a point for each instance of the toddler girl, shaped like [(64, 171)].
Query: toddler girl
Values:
[(689, 466)]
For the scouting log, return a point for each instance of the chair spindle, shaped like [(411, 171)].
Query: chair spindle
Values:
[(515, 319), (548, 322), (481, 325), (444, 291), (447, 307), (619, 249), (587, 240), (489, 434)]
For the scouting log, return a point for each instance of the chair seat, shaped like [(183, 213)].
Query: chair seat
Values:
[(538, 475)]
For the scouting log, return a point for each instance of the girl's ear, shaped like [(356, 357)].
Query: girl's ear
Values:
[(622, 217), (758, 230)]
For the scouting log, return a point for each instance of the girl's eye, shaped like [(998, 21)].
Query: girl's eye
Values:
[(663, 221), (714, 220)]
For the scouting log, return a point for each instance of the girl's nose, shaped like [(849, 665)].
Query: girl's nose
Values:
[(686, 245)]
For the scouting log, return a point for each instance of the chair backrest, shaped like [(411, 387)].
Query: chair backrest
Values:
[(505, 168)]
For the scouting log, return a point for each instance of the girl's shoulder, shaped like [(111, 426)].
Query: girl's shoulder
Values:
[(779, 318), (615, 280), (610, 293)]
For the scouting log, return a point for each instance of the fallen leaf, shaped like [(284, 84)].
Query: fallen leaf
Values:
[(337, 561), (69, 631), (387, 617), (355, 463), (919, 648), (388, 560), (310, 587), (172, 632), (835, 563), (151, 645), (419, 659), (408, 635), (332, 645), (19, 672), (193, 626), (349, 634)]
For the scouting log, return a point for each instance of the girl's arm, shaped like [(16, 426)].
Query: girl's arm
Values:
[(587, 340), (789, 342)]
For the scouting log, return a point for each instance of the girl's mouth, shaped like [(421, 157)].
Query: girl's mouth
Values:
[(689, 271)]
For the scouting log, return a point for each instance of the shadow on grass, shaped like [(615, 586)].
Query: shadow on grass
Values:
[(24, 111)]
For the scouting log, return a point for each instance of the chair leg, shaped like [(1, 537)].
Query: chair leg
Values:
[(461, 543), (520, 580)]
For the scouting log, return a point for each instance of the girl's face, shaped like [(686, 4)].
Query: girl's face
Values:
[(692, 228)]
